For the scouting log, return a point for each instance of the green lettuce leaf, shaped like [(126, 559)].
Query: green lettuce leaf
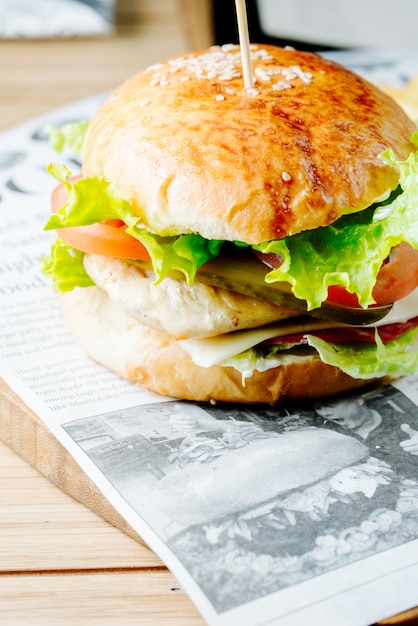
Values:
[(64, 268), (93, 199), (397, 358), (351, 251), (90, 200), (71, 134), (359, 360), (185, 253), (256, 360)]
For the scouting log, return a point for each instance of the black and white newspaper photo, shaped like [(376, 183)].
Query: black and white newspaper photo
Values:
[(300, 513), (255, 502)]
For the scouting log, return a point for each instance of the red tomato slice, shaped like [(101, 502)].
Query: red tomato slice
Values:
[(106, 238), (398, 276), (396, 279)]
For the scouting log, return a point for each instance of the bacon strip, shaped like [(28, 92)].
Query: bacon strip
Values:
[(387, 333)]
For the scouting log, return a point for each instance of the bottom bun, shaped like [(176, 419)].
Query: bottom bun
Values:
[(156, 361)]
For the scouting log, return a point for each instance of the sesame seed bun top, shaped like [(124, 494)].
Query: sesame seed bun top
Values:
[(194, 151)]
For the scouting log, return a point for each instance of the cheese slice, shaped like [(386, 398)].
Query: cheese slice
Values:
[(213, 350), (402, 311)]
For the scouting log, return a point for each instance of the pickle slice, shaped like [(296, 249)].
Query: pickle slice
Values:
[(246, 275)]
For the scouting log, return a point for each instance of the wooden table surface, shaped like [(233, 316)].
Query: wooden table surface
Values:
[(60, 563)]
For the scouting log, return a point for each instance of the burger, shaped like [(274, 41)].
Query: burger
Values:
[(236, 244)]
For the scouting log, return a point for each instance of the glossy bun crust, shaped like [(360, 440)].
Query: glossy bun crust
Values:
[(194, 151), (156, 361)]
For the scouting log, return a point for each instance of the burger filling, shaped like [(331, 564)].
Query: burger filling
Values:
[(349, 273)]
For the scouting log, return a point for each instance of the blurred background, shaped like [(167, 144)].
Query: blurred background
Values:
[(55, 51), (323, 24), (48, 57)]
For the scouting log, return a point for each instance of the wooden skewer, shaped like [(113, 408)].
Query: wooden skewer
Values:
[(244, 43)]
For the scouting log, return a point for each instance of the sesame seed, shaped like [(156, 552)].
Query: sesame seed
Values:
[(262, 74), (219, 97), (228, 46), (261, 54), (288, 73), (306, 77), (224, 64), (286, 177), (156, 66), (229, 76), (282, 84)]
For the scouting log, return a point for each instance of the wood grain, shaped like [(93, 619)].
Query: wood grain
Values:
[(37, 76), (34, 513), (24, 432), (66, 556), (111, 598), (61, 564)]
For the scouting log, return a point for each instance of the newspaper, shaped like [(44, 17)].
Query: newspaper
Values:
[(297, 514)]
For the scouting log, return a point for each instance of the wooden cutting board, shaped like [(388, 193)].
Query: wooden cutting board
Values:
[(25, 433)]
